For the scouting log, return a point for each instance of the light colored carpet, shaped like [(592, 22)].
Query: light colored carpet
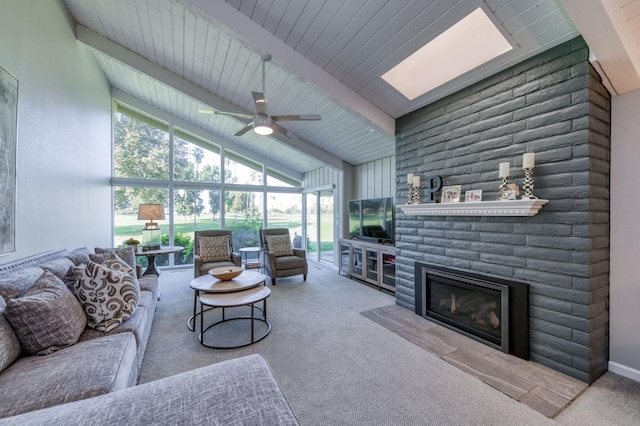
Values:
[(339, 368)]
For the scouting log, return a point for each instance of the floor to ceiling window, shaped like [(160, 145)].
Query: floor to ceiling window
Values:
[(201, 186)]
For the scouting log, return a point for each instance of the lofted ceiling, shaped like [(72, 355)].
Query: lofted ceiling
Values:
[(188, 58)]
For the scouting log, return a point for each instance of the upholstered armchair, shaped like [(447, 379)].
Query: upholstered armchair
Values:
[(281, 260), (213, 249)]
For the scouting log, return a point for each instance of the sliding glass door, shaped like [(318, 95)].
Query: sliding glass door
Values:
[(320, 225)]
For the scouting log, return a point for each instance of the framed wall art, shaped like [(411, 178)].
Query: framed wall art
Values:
[(8, 136), (451, 194)]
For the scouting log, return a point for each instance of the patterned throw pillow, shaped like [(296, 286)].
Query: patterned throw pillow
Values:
[(108, 296), (214, 249), (47, 317), (279, 245)]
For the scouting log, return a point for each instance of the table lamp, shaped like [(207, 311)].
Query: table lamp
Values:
[(151, 234)]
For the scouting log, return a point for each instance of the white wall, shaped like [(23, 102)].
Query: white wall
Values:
[(376, 179), (624, 332), (64, 130)]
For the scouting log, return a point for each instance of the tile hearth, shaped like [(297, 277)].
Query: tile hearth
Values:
[(533, 384)]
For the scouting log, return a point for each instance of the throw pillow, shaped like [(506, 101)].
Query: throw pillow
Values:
[(127, 254), (279, 245), (79, 255), (46, 317), (214, 249), (108, 297), (10, 348)]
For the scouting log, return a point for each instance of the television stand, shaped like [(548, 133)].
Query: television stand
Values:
[(370, 262)]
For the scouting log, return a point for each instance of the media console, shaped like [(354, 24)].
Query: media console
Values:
[(369, 262)]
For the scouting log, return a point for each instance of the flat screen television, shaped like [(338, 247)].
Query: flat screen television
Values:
[(372, 219)]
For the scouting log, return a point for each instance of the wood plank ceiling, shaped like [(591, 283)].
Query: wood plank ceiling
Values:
[(185, 56)]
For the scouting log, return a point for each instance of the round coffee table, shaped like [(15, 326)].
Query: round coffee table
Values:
[(234, 299), (209, 284)]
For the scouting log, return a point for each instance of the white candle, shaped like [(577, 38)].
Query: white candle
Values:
[(416, 181), (504, 170), (528, 160), (410, 178)]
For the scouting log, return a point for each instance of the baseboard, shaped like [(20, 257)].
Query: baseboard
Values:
[(625, 371)]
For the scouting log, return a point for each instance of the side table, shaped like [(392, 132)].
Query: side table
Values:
[(151, 256), (251, 264)]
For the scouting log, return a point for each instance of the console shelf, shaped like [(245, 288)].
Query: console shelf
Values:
[(480, 208), (370, 262)]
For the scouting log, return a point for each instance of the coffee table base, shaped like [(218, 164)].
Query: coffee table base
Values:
[(254, 338), (246, 298)]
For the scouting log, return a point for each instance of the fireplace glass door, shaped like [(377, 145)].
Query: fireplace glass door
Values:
[(479, 310)]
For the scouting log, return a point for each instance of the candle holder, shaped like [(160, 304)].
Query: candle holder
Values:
[(413, 195), (505, 192), (527, 186), (416, 194)]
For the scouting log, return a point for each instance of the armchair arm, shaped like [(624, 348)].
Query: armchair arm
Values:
[(270, 262), (197, 264), (236, 258), (300, 253)]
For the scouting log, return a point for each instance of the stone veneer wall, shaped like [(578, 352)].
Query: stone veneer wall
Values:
[(555, 105)]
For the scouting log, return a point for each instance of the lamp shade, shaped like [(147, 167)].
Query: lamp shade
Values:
[(151, 212)]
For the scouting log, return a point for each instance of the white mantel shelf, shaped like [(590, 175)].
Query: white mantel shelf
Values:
[(480, 208)]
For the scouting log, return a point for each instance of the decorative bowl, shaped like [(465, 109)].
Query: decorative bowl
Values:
[(226, 273)]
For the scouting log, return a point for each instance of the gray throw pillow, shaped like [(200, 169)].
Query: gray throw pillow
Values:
[(47, 317), (127, 254), (10, 348), (108, 296)]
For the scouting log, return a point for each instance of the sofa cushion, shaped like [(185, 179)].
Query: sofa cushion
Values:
[(10, 348), (17, 282), (108, 297), (135, 324), (215, 249), (58, 267), (46, 317), (128, 254), (84, 370), (279, 245), (240, 391)]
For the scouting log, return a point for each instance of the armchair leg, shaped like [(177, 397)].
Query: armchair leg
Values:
[(273, 281), (304, 277)]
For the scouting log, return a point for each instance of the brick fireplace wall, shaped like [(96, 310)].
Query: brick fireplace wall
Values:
[(555, 105)]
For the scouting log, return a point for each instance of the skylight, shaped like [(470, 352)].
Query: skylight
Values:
[(469, 43)]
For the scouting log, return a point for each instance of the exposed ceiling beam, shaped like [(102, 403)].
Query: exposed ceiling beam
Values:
[(262, 40), (133, 60), (608, 35)]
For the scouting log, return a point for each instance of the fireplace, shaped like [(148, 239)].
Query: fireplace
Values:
[(491, 310)]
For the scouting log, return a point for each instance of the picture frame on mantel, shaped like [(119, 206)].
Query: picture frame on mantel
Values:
[(473, 196), (451, 194), (8, 140)]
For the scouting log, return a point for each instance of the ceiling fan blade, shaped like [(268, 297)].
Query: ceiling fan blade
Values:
[(278, 128), (299, 117), (233, 114), (261, 103), (244, 130)]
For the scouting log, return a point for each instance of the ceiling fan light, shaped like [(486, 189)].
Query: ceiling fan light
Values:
[(262, 125), (263, 129)]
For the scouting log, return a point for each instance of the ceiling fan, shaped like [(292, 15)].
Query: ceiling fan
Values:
[(263, 123)]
